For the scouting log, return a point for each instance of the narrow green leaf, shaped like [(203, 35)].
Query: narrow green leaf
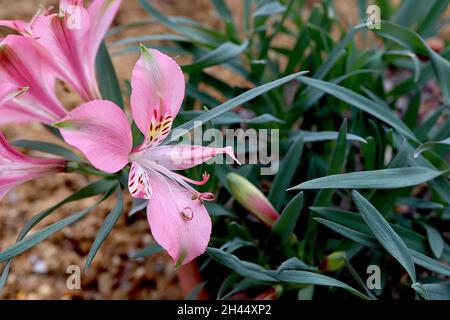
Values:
[(148, 251), (307, 277), (256, 272), (369, 241), (286, 173), (39, 236), (437, 291), (428, 263), (149, 38), (317, 136), (243, 268), (429, 122), (107, 78), (217, 210), (362, 103), (435, 240), (412, 41), (412, 111), (91, 190), (223, 53), (237, 101), (375, 179), (369, 152), (173, 24), (105, 229), (295, 264), (337, 52), (385, 234), (418, 203), (428, 145), (49, 148), (287, 221), (138, 206), (269, 9), (337, 165)]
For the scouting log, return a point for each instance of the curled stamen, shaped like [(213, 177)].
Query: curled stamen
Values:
[(205, 179), (187, 214)]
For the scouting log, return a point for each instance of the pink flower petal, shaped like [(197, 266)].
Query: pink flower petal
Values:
[(183, 156), (179, 224), (16, 168), (66, 39), (20, 26), (158, 88), (101, 14), (101, 131), (23, 64)]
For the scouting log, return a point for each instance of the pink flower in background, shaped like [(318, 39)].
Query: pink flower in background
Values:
[(16, 168), (176, 212), (23, 64), (71, 39)]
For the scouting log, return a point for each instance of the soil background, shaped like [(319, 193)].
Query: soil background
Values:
[(40, 273)]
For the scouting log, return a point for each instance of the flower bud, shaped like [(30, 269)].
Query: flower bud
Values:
[(333, 262), (252, 199)]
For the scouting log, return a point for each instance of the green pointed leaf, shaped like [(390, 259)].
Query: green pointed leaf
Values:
[(287, 221), (428, 263), (376, 179), (295, 264), (418, 203), (39, 236), (237, 101), (435, 240), (362, 103), (337, 164), (223, 53), (370, 241), (269, 9), (105, 229), (138, 206), (256, 272), (317, 136), (286, 173), (49, 148), (173, 24), (412, 41), (437, 291), (307, 277), (428, 145), (149, 38), (95, 188), (148, 251), (107, 78), (385, 234), (246, 269)]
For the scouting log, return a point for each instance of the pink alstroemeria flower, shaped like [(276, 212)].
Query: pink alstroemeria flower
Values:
[(24, 65), (72, 38), (176, 212), (16, 168)]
